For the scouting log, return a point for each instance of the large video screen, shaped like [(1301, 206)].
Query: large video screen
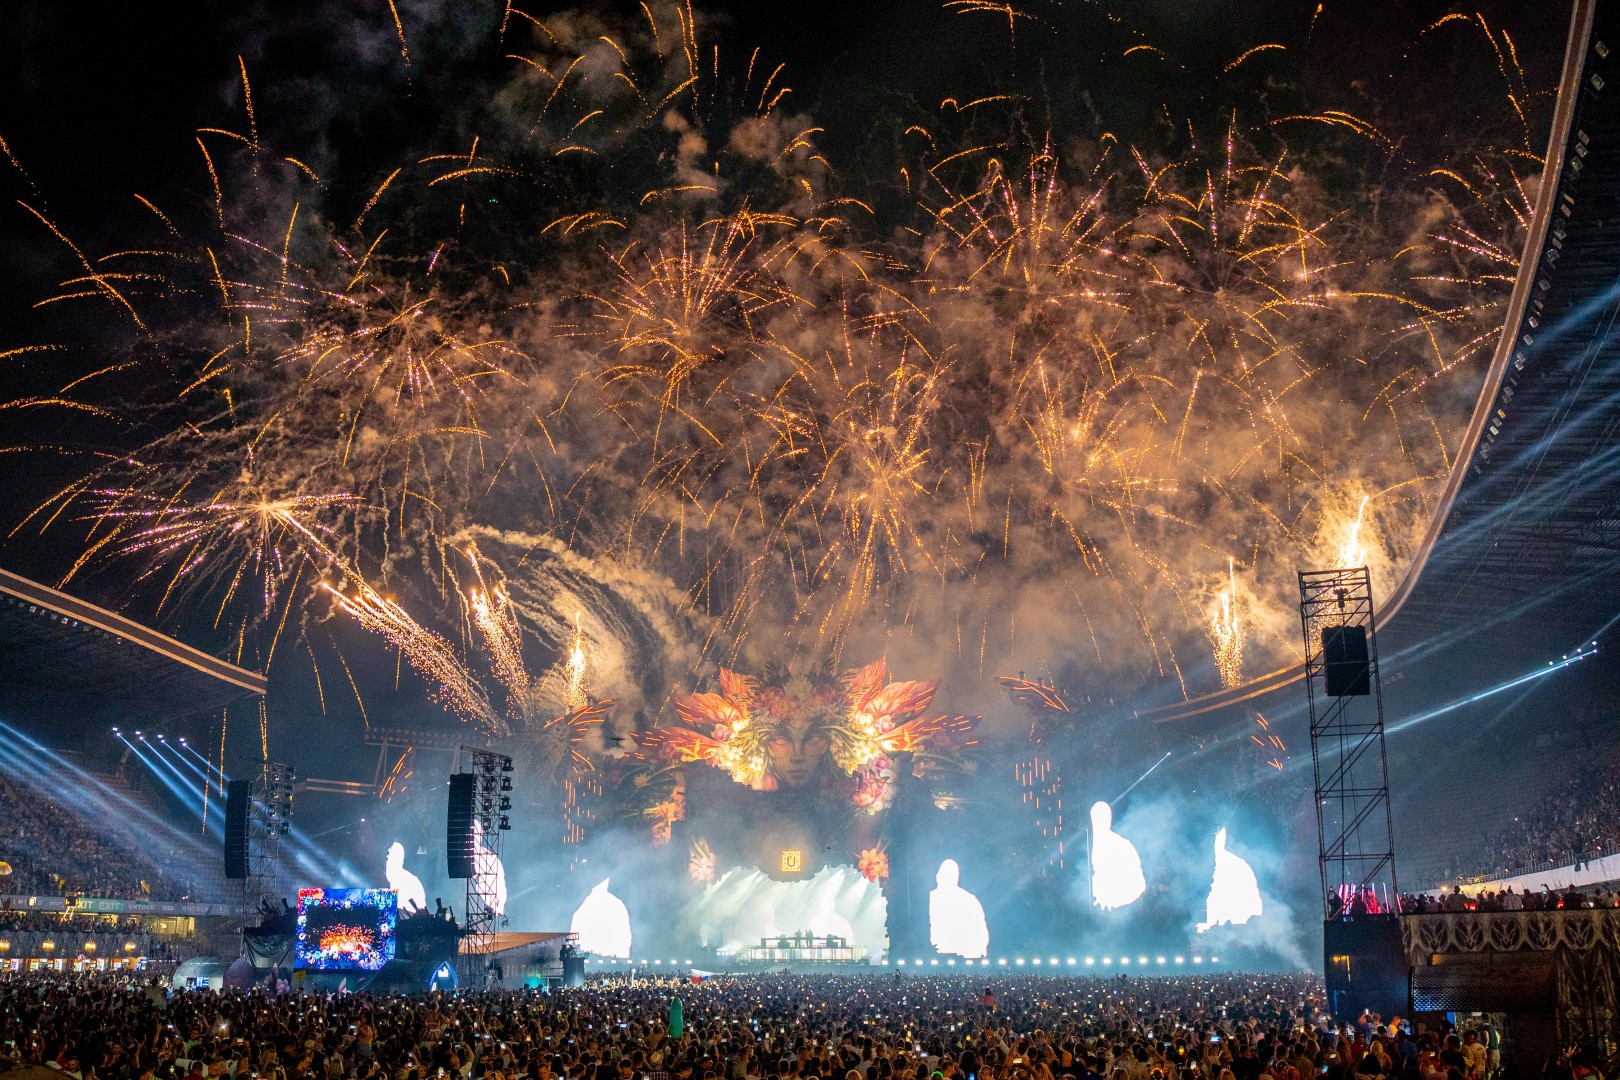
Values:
[(346, 929)]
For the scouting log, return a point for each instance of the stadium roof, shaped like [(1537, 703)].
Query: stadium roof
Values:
[(1529, 521), (1535, 524), (68, 660)]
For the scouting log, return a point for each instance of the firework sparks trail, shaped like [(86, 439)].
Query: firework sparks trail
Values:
[(1226, 631), (785, 410)]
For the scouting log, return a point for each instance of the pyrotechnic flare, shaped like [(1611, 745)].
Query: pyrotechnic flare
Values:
[(621, 300), (1226, 631), (1352, 553)]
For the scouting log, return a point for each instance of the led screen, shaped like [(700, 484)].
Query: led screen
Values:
[(346, 929)]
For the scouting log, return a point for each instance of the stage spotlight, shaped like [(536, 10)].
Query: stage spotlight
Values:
[(1214, 959), (506, 764), (1002, 961), (1019, 961), (1180, 960), (902, 963), (1036, 961), (1124, 960), (1071, 961), (950, 963), (933, 963), (1198, 959), (1090, 960), (115, 731), (1161, 959), (1141, 959), (506, 783), (1053, 962)]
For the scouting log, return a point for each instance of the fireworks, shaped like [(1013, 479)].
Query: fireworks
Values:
[(751, 406), (1226, 631)]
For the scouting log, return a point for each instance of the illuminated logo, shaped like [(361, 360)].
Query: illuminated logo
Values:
[(792, 861)]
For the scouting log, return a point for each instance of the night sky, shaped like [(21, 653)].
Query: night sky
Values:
[(94, 109)]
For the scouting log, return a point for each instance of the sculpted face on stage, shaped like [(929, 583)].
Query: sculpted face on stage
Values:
[(797, 750)]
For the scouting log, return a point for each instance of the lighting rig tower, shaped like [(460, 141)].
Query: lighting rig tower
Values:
[(1354, 827), (491, 810), (265, 817)]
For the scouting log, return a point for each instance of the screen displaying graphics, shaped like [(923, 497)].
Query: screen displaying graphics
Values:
[(346, 929)]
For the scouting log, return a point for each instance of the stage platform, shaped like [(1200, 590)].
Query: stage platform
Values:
[(799, 951)]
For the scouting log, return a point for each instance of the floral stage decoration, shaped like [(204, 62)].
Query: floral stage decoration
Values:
[(776, 732)]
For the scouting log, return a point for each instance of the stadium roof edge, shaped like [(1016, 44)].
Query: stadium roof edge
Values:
[(110, 622), (1577, 58)]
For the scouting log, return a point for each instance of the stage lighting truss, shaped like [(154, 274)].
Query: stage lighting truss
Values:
[(491, 802), (270, 815), (1355, 829)]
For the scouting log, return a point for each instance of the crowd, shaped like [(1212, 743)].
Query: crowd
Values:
[(1544, 899), (46, 922), (1578, 820), (53, 852), (780, 1027)]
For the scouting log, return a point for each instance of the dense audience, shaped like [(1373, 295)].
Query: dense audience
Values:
[(779, 1027), (54, 852), (1577, 821), (1543, 899), (56, 921)]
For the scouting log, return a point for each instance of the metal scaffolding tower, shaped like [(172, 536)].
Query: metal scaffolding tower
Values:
[(492, 804), (1355, 830)]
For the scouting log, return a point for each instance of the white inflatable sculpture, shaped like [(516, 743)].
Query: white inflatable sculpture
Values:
[(487, 863), (603, 924), (1234, 895), (412, 897), (1116, 868), (955, 916), (827, 922)]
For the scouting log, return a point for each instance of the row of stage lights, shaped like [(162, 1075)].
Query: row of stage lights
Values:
[(50, 946), (1018, 961)]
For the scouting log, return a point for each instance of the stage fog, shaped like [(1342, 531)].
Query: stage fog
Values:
[(844, 820)]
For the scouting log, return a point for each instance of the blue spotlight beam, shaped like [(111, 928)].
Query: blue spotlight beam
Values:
[(180, 786), (1551, 667), (167, 776), (1143, 777), (42, 770), (191, 767)]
